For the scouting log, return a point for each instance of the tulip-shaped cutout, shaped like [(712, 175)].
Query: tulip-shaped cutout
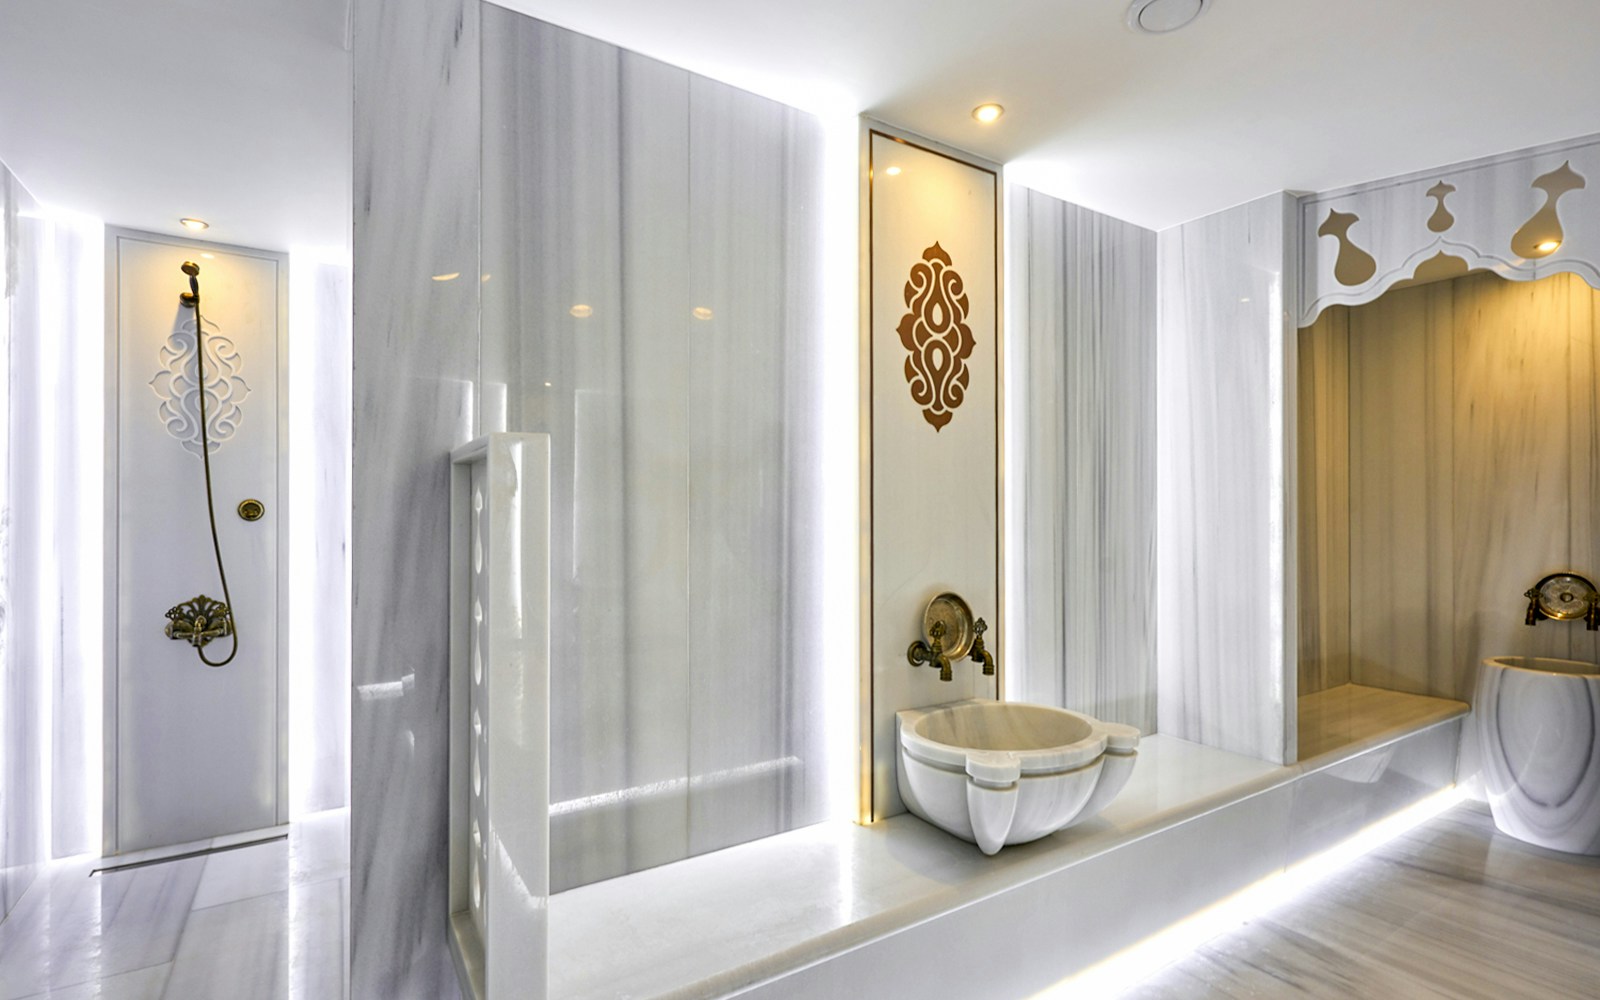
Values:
[(1354, 265), (1441, 219), (1542, 235)]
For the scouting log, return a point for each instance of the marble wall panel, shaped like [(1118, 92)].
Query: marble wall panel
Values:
[(1324, 503), (320, 354), (1082, 460), (415, 359), (1472, 452), (76, 339), (51, 332), (755, 461), (24, 844), (651, 241), (1224, 385)]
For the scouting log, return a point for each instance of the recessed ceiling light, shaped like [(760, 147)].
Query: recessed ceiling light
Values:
[(195, 225), (988, 113), (1548, 246), (209, 256), (893, 171), (581, 311), (453, 275), (1157, 17), (701, 312)]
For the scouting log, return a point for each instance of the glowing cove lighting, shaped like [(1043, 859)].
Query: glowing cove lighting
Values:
[(1139, 962)]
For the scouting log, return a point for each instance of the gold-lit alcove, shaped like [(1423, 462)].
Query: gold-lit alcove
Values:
[(1449, 457)]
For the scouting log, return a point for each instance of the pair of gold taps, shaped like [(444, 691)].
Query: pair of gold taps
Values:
[(933, 654)]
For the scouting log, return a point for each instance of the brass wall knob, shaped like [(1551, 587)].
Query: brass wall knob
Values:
[(252, 510)]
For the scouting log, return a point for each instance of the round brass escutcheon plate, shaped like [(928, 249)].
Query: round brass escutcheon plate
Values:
[(252, 510), (953, 612)]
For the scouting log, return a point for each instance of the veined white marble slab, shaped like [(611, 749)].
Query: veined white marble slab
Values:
[(415, 352), (1081, 460), (723, 921), (1224, 547)]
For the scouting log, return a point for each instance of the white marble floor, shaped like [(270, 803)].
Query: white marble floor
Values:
[(1452, 909), (263, 922)]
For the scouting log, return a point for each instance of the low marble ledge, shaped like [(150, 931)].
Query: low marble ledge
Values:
[(724, 922)]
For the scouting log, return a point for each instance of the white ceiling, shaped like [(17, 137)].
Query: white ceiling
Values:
[(140, 112), (1256, 96), (238, 111)]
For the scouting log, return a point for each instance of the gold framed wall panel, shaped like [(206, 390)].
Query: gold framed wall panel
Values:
[(942, 447)]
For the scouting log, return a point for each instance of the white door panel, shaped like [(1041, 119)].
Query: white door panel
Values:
[(197, 750)]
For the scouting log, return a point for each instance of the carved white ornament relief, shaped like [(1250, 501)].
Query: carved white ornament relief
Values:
[(177, 385)]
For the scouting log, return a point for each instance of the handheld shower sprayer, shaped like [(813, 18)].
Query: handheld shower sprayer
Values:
[(191, 298), (201, 619)]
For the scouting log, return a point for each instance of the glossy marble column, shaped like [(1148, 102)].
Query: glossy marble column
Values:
[(415, 359), (1082, 460), (1224, 362)]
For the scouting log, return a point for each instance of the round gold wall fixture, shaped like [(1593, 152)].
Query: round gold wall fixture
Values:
[(252, 509)]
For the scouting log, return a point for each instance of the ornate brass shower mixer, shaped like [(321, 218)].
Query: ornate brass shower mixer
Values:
[(199, 620)]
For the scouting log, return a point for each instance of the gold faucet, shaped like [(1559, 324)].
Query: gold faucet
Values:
[(921, 652), (979, 654)]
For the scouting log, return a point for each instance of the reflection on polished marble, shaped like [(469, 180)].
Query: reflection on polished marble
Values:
[(788, 901), (1451, 909), (1353, 713), (265, 922)]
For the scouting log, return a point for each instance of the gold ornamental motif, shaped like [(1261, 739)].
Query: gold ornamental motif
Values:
[(935, 334)]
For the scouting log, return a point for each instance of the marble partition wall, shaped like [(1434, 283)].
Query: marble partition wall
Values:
[(652, 301), (1456, 461), (319, 424), (24, 844), (1224, 549), (415, 358), (1082, 460), (51, 470)]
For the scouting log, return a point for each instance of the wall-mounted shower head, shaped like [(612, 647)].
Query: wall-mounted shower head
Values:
[(192, 297)]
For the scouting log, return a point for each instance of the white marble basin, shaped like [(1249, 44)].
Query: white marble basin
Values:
[(1539, 729), (997, 773)]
